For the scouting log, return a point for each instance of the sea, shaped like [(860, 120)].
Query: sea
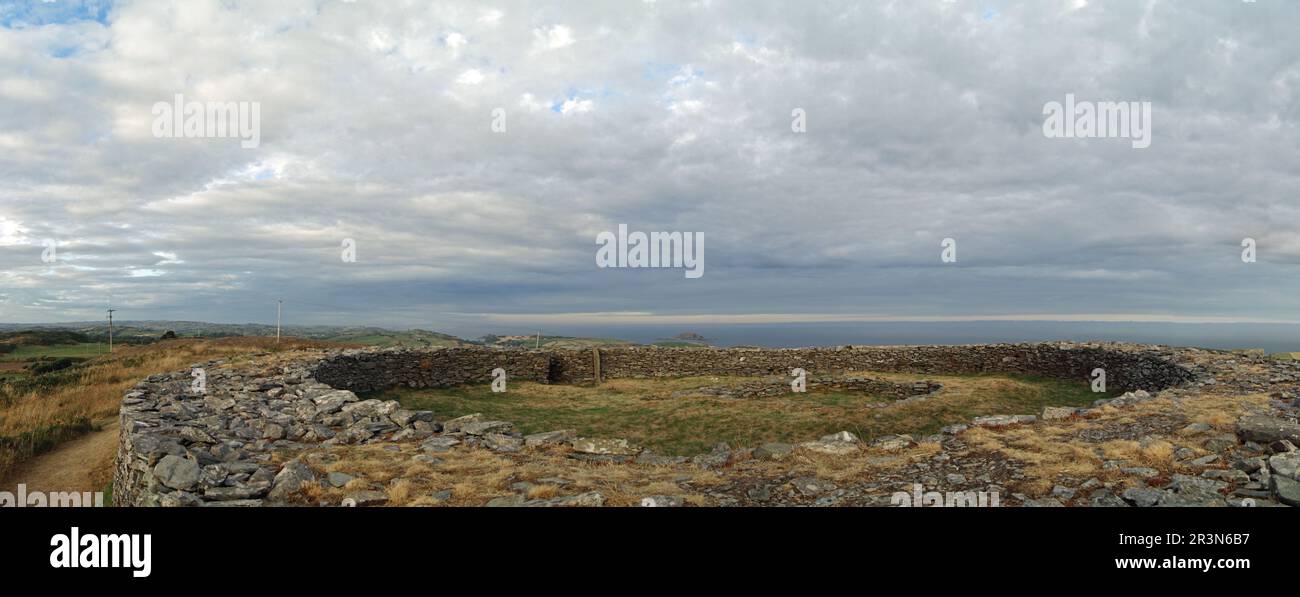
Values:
[(1270, 337)]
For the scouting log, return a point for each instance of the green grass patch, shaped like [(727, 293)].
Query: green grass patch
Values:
[(644, 412)]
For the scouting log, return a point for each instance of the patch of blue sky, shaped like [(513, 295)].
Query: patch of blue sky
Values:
[(64, 51), (19, 14), (576, 95)]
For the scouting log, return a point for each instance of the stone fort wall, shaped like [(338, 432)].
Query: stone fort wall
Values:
[(370, 370)]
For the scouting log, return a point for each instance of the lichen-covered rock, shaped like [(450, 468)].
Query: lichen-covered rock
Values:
[(1056, 413), (773, 451), (891, 443), (439, 444), (594, 445), (486, 427), (502, 443), (1002, 420), (455, 425), (549, 438)]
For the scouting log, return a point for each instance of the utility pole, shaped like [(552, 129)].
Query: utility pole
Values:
[(278, 302), (110, 328), (539, 339)]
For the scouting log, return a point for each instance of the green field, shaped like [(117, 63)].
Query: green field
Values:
[(30, 352), (14, 365)]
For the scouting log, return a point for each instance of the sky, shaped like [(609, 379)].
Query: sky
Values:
[(472, 152)]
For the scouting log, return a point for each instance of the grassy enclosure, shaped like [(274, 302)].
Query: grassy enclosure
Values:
[(645, 413)]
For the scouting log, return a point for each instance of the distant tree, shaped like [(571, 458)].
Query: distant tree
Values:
[(168, 335)]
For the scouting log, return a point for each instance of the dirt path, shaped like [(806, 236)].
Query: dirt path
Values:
[(83, 464)]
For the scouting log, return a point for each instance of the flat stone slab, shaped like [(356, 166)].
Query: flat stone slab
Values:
[(591, 445), (1056, 413), (1002, 420), (773, 451), (831, 448), (1264, 429), (549, 438), (439, 444)]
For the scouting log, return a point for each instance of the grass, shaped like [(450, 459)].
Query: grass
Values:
[(39, 412), (643, 411), (474, 476), (31, 352)]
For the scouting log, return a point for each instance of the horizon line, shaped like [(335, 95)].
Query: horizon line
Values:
[(648, 318), (629, 317)]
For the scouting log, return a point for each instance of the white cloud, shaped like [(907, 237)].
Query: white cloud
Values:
[(529, 102), (553, 38), (576, 106), (472, 76), (455, 41)]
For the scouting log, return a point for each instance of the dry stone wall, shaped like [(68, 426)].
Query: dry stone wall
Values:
[(368, 370), (1127, 368)]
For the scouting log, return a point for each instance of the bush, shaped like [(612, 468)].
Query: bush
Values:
[(12, 389), (44, 367)]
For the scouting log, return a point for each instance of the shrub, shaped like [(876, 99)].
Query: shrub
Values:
[(43, 367)]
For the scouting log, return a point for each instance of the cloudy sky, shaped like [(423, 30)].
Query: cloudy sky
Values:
[(924, 121)]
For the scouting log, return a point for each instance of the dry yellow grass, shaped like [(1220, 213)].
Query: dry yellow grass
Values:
[(475, 476), (38, 420), (1058, 450)]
